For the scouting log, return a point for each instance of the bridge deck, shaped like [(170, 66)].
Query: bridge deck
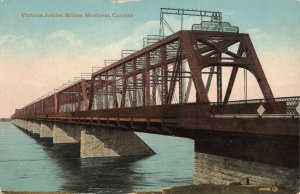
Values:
[(184, 120)]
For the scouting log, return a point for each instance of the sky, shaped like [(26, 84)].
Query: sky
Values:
[(39, 54)]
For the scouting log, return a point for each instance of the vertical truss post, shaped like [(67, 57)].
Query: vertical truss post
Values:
[(147, 81), (164, 74), (95, 93), (65, 101), (62, 103), (102, 91), (56, 103), (219, 84), (72, 98), (134, 69), (84, 94), (34, 110), (106, 90), (245, 84), (154, 75), (68, 102), (92, 93), (124, 86), (78, 97), (43, 108), (115, 101), (99, 97), (140, 94), (181, 83)]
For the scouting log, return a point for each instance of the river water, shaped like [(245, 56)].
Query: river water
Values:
[(30, 164)]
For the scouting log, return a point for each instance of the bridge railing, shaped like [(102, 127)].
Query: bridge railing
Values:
[(282, 106)]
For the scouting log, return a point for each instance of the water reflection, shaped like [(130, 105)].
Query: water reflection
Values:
[(101, 175), (169, 167)]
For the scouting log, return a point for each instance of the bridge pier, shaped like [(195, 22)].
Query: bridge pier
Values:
[(23, 124), (35, 127), (27, 125), (46, 130), (30, 126), (107, 143), (16, 122), (93, 141), (222, 158), (66, 133), (223, 170), (96, 142)]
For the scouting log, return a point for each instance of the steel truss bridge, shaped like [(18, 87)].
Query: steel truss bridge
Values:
[(151, 91)]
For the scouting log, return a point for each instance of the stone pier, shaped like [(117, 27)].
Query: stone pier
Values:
[(212, 169), (66, 133), (35, 127), (46, 130), (93, 141), (21, 123), (247, 159), (107, 143)]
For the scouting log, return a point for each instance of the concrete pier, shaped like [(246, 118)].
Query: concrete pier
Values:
[(35, 127), (93, 141), (21, 123), (96, 142), (212, 169), (107, 143), (222, 158), (28, 126), (66, 133), (46, 130)]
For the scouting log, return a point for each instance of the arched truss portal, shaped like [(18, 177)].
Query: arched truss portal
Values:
[(155, 75), (213, 49)]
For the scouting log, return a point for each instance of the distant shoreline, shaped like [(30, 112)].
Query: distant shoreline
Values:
[(4, 119)]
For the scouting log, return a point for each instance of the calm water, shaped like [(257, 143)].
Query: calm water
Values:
[(29, 164)]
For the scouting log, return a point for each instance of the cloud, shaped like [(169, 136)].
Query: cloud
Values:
[(1, 1), (8, 38), (124, 1), (298, 1), (13, 40), (258, 34), (28, 42), (66, 35)]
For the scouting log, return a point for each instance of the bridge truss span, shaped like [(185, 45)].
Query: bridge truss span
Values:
[(164, 72), (161, 89)]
